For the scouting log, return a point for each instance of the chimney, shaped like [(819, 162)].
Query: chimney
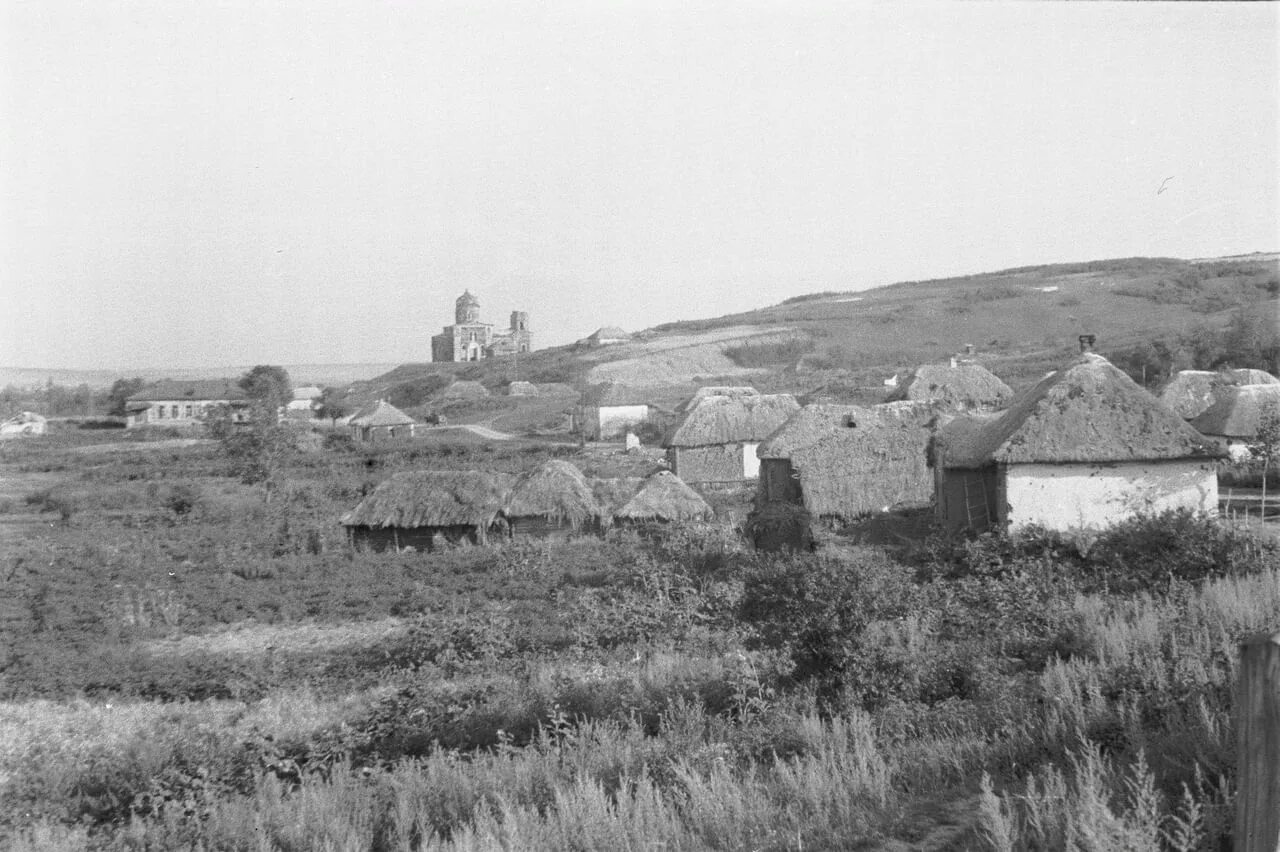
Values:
[(1086, 342)]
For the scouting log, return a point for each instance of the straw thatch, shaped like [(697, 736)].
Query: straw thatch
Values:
[(555, 491), (1089, 412), (845, 460), (733, 391), (963, 387), (1238, 412), (611, 494), (380, 414), (522, 389), (724, 419), (433, 498), (607, 333), (1191, 392), (608, 394), (665, 497), (462, 390), (1250, 376)]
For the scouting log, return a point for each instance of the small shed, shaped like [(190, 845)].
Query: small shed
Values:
[(522, 389), (381, 421), (1237, 415), (844, 461), (609, 410), (1084, 448), (423, 509), (22, 424), (716, 439), (664, 498), (959, 387), (552, 501)]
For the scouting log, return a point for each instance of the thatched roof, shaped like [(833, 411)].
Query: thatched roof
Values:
[(556, 491), (433, 498), (852, 459), (1089, 412), (665, 497), (608, 394), (734, 391), (204, 390), (732, 420), (609, 332), (522, 389), (1190, 392), (1238, 411), (463, 390), (380, 413), (1250, 376), (964, 386)]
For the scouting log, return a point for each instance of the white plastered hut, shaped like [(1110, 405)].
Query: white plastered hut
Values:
[(1084, 448), (1235, 418), (423, 509), (715, 440), (380, 421), (958, 387), (844, 461), (664, 498), (609, 410), (552, 501)]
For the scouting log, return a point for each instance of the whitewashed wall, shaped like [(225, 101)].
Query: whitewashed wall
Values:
[(750, 462), (614, 419), (1064, 497)]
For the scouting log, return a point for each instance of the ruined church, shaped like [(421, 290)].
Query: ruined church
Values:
[(469, 339)]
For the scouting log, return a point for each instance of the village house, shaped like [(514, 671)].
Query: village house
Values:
[(552, 501), (380, 421), (958, 386), (607, 336), (664, 499), (1191, 392), (609, 410), (185, 404), (715, 439), (1084, 448), (303, 404), (1234, 420), (844, 461), (469, 339), (424, 510)]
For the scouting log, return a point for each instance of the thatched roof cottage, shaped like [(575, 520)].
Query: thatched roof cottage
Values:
[(1237, 415), (843, 461), (664, 498), (716, 439), (554, 500), (380, 421), (419, 509), (610, 410), (732, 391), (960, 387), (1191, 392), (1084, 448)]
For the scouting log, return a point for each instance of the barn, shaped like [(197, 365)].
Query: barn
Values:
[(956, 386), (844, 461), (715, 440), (1084, 448), (552, 501), (424, 509)]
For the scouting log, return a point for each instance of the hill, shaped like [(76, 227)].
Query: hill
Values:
[(1021, 322)]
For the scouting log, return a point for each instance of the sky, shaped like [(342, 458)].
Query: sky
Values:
[(191, 184)]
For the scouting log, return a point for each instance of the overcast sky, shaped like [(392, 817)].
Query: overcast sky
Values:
[(198, 184)]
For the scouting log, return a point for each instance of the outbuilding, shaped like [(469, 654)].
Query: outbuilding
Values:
[(552, 501), (424, 509), (1085, 448), (716, 438), (1237, 416), (380, 421)]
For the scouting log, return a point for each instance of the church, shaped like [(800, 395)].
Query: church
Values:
[(469, 339)]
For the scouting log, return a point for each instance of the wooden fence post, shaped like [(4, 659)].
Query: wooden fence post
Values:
[(1258, 745)]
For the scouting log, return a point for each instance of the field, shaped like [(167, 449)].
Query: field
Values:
[(192, 662)]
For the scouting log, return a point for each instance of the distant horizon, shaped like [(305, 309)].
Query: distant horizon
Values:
[(317, 183)]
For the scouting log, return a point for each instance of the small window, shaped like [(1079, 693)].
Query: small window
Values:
[(189, 411), (159, 412), (174, 412)]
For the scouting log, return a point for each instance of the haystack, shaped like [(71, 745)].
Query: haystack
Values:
[(665, 498), (843, 461), (1085, 447), (413, 508), (462, 390), (522, 389), (554, 496), (963, 387)]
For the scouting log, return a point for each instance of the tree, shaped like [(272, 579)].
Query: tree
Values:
[(1265, 446), (121, 390), (334, 403), (269, 389)]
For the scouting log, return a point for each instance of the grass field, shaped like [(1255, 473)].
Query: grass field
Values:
[(190, 662)]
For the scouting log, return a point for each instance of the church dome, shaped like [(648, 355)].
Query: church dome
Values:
[(467, 308)]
